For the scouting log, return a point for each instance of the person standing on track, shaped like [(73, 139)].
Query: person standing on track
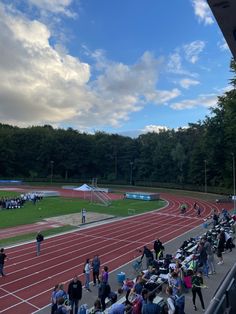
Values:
[(39, 239), (198, 209), (3, 257), (96, 267), (183, 209), (75, 294)]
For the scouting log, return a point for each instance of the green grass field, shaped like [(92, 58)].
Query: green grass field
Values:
[(56, 206)]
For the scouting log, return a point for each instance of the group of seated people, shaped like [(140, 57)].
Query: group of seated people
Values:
[(11, 203), (177, 273), (18, 202)]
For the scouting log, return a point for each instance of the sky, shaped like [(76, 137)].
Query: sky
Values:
[(117, 66)]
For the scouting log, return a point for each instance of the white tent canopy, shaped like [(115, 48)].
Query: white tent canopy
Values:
[(83, 188)]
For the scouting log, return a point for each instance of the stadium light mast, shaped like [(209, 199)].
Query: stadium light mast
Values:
[(233, 162), (205, 171), (52, 164), (131, 173)]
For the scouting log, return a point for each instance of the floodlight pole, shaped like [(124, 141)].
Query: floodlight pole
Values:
[(52, 164), (131, 172), (233, 157), (205, 171)]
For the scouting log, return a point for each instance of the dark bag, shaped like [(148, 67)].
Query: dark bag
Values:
[(59, 311), (179, 304)]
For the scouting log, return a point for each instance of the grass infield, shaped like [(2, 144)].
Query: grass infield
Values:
[(57, 206)]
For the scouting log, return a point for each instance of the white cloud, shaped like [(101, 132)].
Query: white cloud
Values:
[(193, 50), (223, 45), (154, 128), (162, 96), (53, 6), (175, 62), (206, 101), (42, 84), (202, 11), (186, 83)]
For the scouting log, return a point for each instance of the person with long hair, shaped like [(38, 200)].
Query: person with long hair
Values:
[(197, 284), (87, 269)]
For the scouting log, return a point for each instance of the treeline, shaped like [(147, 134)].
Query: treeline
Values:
[(202, 153)]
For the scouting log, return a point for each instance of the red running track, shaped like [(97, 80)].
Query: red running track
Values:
[(30, 279)]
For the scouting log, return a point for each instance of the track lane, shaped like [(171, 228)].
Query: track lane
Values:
[(35, 286)]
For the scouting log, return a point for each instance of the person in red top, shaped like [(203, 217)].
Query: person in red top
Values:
[(2, 261)]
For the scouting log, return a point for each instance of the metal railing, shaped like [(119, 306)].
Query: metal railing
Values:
[(224, 300)]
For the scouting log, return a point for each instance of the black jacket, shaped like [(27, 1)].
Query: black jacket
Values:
[(158, 246), (75, 290), (39, 237), (148, 253)]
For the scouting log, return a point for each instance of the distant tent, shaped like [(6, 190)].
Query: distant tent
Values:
[(83, 188)]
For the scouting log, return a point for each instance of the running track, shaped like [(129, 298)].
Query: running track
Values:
[(29, 281)]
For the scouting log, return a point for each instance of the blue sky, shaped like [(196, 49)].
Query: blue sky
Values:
[(119, 66)]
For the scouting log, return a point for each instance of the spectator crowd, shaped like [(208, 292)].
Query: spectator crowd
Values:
[(164, 274), (18, 202)]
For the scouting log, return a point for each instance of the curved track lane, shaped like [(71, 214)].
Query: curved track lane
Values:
[(29, 281)]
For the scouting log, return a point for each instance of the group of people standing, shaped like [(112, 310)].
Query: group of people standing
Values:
[(158, 249), (66, 302)]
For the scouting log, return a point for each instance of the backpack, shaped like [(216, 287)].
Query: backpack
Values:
[(179, 303)]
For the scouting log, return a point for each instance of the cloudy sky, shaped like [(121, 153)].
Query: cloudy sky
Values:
[(111, 65)]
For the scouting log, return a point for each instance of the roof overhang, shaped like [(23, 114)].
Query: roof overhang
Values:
[(225, 15)]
